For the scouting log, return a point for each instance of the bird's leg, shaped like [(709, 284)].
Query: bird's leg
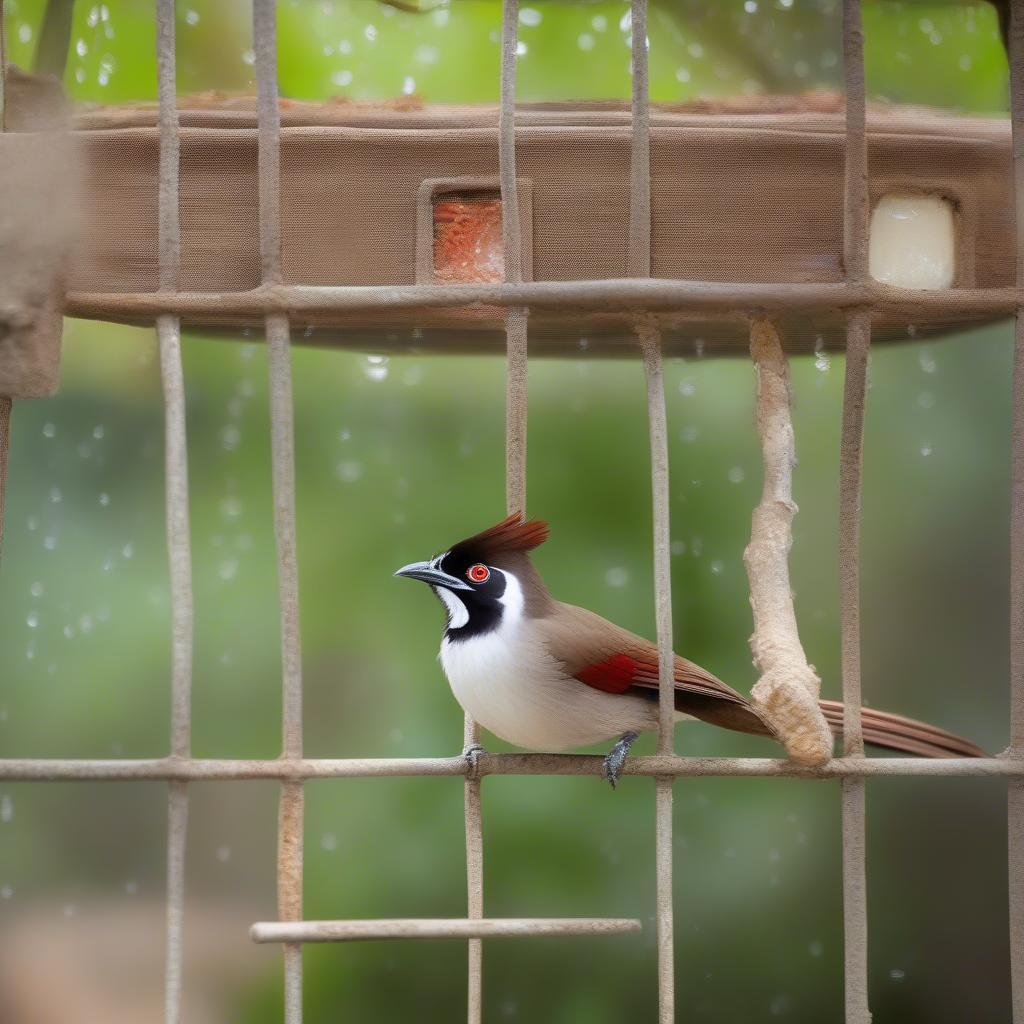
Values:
[(614, 760), (472, 754)]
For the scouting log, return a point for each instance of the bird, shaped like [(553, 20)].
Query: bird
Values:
[(546, 675)]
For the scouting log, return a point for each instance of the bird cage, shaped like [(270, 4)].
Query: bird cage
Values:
[(408, 227)]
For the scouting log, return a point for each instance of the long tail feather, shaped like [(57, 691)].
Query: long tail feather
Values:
[(884, 729)]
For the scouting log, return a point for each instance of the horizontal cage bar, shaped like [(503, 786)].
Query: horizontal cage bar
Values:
[(223, 770), (439, 928), (608, 295)]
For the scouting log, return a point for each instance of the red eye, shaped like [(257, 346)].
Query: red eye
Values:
[(478, 573)]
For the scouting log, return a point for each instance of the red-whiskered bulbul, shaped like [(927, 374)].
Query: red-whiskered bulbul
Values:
[(546, 675)]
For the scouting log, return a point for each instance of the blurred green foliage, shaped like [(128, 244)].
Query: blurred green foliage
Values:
[(398, 457)]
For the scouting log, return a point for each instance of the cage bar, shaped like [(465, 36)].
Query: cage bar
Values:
[(439, 928), (230, 770), (858, 340), (650, 342), (742, 299), (5, 403), (291, 807), (179, 550), (1015, 794)]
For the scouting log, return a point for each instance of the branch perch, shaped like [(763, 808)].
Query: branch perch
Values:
[(786, 694)]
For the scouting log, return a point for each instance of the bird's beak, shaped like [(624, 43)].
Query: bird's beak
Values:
[(430, 574)]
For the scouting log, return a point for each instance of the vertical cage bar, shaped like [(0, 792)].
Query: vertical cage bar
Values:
[(1015, 796), (5, 403), (650, 340), (512, 245), (179, 548), (858, 341), (5, 437), (290, 813)]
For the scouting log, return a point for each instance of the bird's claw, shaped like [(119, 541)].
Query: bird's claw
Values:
[(472, 754), (616, 758)]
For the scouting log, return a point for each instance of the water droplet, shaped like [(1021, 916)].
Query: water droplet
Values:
[(376, 368), (750, 6), (349, 471), (191, 17), (682, 74), (370, 32), (427, 54), (104, 499), (599, 23), (678, 547), (926, 400), (927, 361), (249, 57), (926, 449), (897, 974), (329, 842), (231, 507), (687, 388), (617, 577), (81, 48), (32, 621), (530, 17), (128, 550), (36, 590), (228, 570), (585, 41), (737, 475), (690, 433), (521, 49), (408, 85), (55, 495), (229, 438), (695, 50), (6, 809), (780, 1005), (50, 542), (717, 567)]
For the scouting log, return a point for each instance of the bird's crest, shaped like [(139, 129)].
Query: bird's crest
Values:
[(512, 536)]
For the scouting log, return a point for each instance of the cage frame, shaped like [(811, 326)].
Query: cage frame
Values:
[(641, 297)]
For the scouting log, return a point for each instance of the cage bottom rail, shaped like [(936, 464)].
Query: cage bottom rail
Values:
[(439, 928)]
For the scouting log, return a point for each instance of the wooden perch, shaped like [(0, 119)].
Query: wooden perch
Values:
[(787, 692)]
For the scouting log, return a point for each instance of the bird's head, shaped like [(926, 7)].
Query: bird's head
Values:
[(487, 580)]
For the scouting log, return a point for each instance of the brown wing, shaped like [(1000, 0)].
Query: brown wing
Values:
[(610, 658), (602, 655)]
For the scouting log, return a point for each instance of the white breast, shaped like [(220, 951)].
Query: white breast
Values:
[(507, 681)]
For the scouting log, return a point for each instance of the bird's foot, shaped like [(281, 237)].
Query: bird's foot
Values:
[(472, 754), (615, 759)]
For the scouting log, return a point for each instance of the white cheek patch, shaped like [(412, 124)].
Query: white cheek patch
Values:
[(458, 616), (512, 600)]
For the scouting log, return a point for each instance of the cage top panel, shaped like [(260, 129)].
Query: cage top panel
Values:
[(404, 194)]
